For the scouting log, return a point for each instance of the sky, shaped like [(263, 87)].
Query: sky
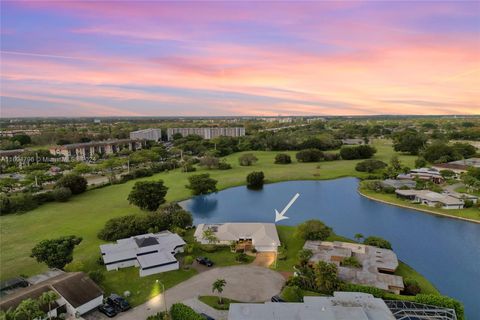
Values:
[(228, 58)]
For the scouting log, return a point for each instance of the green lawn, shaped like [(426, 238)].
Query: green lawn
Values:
[(469, 213), (212, 301)]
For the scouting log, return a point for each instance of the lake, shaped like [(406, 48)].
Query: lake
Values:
[(446, 251)]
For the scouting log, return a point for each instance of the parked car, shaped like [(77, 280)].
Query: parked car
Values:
[(277, 299), (108, 310), (205, 261), (118, 302), (207, 317)]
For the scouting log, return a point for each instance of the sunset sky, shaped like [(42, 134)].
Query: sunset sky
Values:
[(121, 58)]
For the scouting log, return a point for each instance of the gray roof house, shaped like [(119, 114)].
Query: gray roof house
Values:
[(430, 198), (342, 306), (152, 253), (377, 264), (397, 184)]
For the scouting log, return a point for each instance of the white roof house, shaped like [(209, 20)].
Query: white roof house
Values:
[(152, 253), (342, 306), (264, 236)]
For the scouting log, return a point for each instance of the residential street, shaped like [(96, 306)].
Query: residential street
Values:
[(244, 283)]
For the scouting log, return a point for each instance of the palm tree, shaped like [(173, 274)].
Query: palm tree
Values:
[(218, 286), (48, 298), (28, 309), (359, 237)]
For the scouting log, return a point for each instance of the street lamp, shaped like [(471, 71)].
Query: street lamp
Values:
[(164, 295)]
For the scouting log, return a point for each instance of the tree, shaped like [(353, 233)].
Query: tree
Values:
[(409, 141), (304, 256), (210, 236), (201, 184), (56, 253), (326, 277), (218, 286), (209, 162), (358, 237), (370, 165), (28, 309), (420, 162), (82, 168), (465, 149), (47, 298), (23, 139), (357, 152), (148, 195), (282, 158), (440, 152), (247, 159), (77, 184), (255, 180), (377, 242), (313, 230), (309, 155), (447, 174), (292, 294)]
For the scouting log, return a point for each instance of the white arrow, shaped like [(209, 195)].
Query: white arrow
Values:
[(280, 216)]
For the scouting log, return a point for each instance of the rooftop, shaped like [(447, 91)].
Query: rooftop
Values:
[(262, 234), (431, 196), (342, 306)]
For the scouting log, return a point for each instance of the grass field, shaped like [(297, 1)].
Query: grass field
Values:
[(212, 301)]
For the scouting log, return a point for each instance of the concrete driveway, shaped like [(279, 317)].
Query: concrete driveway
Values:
[(244, 283)]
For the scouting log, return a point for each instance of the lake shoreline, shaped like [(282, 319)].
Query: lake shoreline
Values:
[(417, 209)]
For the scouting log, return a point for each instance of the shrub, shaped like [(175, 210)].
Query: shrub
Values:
[(76, 183), (411, 287), (377, 242), (313, 230), (350, 287), (44, 197), (142, 172), (224, 166), (126, 177), (351, 262), (241, 257), (247, 159), (357, 152), (468, 203), (97, 276), (370, 165), (282, 158), (255, 180), (442, 301), (164, 166), (331, 156), (188, 260), (179, 311), (61, 194), (292, 294), (148, 195), (17, 203), (188, 167), (309, 155)]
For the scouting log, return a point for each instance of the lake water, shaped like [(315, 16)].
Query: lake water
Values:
[(446, 251)]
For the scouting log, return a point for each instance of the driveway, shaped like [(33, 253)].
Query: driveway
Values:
[(244, 283)]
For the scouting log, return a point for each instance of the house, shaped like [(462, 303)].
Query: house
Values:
[(11, 155), (397, 184), (431, 199), (461, 196), (147, 134), (261, 236), (152, 253), (427, 174), (458, 167), (377, 264), (342, 306), (77, 294)]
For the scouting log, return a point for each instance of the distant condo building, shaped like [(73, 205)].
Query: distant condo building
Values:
[(87, 150), (146, 134), (207, 133)]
